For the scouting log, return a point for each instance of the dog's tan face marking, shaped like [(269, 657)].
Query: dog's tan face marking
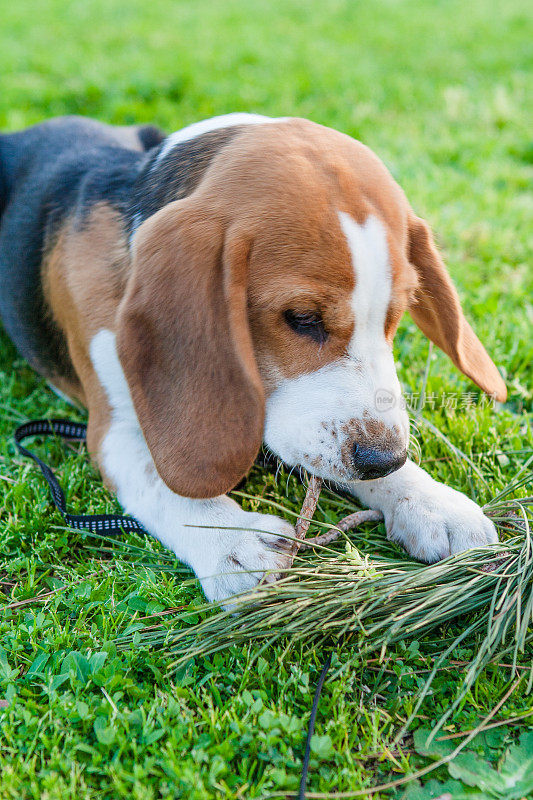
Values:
[(284, 186)]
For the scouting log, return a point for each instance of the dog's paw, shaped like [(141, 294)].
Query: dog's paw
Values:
[(436, 522), (239, 559)]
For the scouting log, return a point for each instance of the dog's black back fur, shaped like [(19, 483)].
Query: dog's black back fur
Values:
[(48, 172)]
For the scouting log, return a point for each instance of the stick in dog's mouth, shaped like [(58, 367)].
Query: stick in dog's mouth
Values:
[(306, 515)]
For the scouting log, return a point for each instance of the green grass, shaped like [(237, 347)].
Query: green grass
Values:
[(439, 90)]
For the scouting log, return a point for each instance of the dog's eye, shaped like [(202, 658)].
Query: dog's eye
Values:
[(307, 323)]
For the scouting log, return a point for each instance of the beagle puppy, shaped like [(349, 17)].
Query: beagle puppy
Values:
[(237, 282)]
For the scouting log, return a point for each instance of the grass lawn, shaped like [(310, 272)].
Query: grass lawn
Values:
[(440, 91)]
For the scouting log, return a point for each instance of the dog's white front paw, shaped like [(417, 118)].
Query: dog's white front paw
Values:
[(437, 521), (236, 560)]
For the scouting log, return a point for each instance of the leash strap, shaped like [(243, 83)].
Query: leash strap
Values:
[(311, 727), (75, 431)]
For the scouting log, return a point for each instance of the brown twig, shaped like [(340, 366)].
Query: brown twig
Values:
[(306, 515), (308, 507), (497, 724), (40, 598), (346, 524), (172, 610), (45, 596), (304, 519)]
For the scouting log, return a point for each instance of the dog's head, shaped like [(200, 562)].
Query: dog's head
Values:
[(264, 306)]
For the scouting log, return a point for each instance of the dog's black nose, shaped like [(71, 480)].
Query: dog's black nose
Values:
[(370, 462)]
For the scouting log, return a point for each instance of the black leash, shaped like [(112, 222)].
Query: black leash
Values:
[(77, 431), (311, 727), (115, 523)]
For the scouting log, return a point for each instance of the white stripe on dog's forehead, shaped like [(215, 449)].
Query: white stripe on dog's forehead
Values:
[(213, 124), (373, 281)]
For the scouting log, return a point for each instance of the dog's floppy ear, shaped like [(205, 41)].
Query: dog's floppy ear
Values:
[(186, 350), (437, 312)]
